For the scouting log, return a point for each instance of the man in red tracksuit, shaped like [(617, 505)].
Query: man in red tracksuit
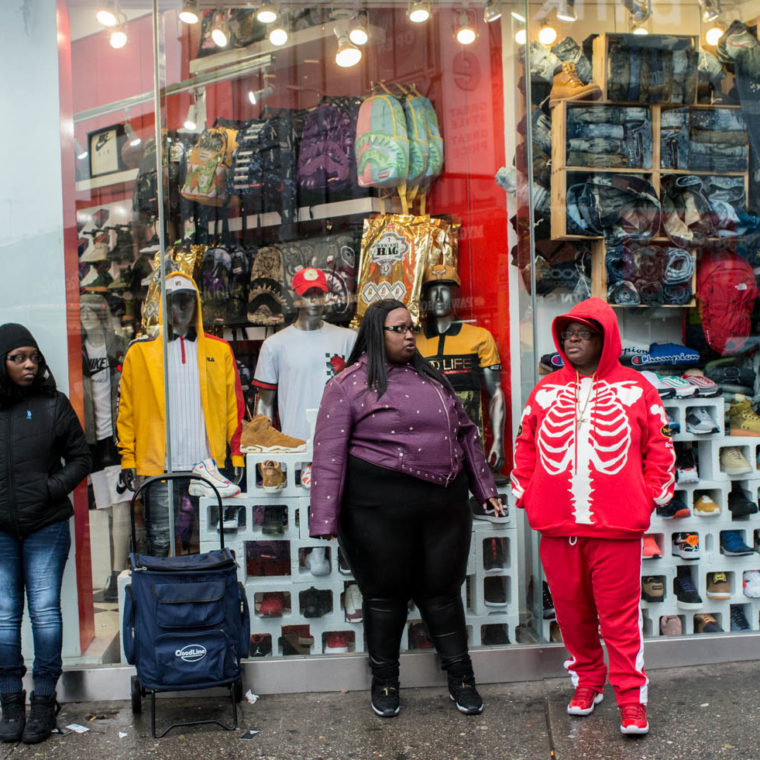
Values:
[(593, 458)]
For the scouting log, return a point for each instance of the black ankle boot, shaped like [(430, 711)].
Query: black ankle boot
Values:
[(41, 720), (12, 724), (110, 592)]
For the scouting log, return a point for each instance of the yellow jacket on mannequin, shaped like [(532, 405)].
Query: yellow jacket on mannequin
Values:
[(141, 421)]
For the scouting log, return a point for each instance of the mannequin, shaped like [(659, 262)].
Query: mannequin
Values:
[(295, 364), (102, 355), (205, 405), (466, 354)]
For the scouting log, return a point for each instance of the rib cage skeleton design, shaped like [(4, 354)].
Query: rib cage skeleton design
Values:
[(599, 445)]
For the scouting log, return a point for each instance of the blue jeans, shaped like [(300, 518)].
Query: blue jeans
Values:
[(34, 563), (156, 502)]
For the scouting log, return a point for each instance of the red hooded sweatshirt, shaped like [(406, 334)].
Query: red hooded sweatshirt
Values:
[(600, 477)]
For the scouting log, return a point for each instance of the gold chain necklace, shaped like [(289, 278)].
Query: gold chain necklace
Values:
[(578, 411)]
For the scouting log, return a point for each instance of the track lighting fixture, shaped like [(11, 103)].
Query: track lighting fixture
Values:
[(267, 14), (118, 36), (255, 96), (219, 33), (81, 153), (492, 11), (419, 11), (107, 14), (357, 29), (566, 11), (517, 16), (466, 34), (640, 10), (711, 10), (189, 12), (191, 120), (348, 54), (640, 30), (714, 33), (278, 35), (132, 137), (547, 34)]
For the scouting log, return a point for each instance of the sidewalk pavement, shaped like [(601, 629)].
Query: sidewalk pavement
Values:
[(707, 712)]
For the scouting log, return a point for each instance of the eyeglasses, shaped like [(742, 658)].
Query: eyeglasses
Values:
[(582, 334), (21, 358), (401, 329)]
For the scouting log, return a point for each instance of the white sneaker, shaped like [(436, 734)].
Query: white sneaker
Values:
[(682, 388), (665, 391), (317, 562), (208, 470), (699, 421), (306, 476), (751, 583), (352, 604)]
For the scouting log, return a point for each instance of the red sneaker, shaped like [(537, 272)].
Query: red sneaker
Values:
[(650, 549), (584, 701), (633, 719), (272, 605), (336, 643)]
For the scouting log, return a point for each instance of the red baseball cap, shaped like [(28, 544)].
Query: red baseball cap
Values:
[(308, 278)]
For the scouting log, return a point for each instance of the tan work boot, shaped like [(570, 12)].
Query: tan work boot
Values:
[(743, 418), (568, 86), (272, 476), (259, 435)]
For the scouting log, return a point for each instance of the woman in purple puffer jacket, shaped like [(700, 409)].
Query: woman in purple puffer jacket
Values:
[(394, 455)]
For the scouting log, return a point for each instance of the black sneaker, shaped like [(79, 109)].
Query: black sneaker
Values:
[(547, 603), (14, 716), (313, 603), (274, 519), (493, 554), (261, 645), (686, 592), (343, 566), (675, 508), (385, 701), (479, 512), (494, 591), (463, 692), (494, 635), (739, 505)]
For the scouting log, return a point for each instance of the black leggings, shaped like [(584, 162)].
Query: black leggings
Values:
[(407, 539)]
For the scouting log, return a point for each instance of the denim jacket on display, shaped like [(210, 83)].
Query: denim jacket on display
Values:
[(417, 427)]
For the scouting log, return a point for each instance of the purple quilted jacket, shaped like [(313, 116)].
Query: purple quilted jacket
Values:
[(417, 427)]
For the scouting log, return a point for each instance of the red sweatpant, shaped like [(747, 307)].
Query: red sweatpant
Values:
[(595, 584)]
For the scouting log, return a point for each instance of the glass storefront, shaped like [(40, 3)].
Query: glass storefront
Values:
[(569, 150)]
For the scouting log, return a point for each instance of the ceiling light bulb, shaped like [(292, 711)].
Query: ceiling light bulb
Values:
[(358, 30), (348, 54), (278, 36), (107, 16), (267, 14), (466, 35), (419, 12), (189, 12), (118, 38), (713, 35), (132, 136), (641, 30), (521, 37), (191, 123), (219, 36), (492, 11), (547, 35)]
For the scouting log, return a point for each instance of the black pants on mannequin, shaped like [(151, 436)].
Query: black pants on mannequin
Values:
[(407, 539)]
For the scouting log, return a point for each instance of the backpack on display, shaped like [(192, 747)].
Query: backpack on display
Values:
[(326, 163), (174, 160), (240, 276), (214, 285), (208, 165), (726, 293), (382, 144), (419, 144), (265, 299), (435, 150)]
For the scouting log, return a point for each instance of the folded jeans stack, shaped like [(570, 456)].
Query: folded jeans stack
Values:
[(651, 275)]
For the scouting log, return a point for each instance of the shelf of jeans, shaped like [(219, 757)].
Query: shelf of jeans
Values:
[(706, 173)]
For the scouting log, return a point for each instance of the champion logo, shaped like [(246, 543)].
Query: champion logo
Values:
[(191, 653)]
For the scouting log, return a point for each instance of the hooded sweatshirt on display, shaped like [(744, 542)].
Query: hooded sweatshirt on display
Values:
[(601, 477), (141, 420)]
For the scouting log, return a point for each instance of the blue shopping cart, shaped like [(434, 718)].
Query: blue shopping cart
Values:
[(186, 623)]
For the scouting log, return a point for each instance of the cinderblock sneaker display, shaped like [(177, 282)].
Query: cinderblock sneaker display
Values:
[(751, 584), (718, 586), (732, 544), (272, 477), (208, 470)]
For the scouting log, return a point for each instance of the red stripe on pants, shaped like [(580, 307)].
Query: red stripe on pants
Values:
[(596, 585)]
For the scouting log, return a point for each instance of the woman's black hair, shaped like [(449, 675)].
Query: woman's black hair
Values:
[(370, 340), (11, 393)]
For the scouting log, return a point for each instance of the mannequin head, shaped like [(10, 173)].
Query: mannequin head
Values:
[(94, 313), (439, 299), (181, 305), (310, 288)]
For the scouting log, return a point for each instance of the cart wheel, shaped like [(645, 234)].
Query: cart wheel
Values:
[(136, 696), (237, 690)]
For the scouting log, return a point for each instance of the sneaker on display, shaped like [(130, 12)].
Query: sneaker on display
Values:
[(738, 503), (487, 512), (718, 586), (272, 604), (336, 643), (751, 584), (493, 554), (207, 470), (352, 603), (665, 391), (675, 508), (261, 645), (306, 476), (547, 603), (704, 506), (494, 635), (652, 588), (294, 643), (670, 625), (274, 520), (686, 592), (739, 620), (343, 566), (704, 622), (583, 701), (230, 519), (743, 419), (731, 377), (633, 719), (650, 549), (316, 602), (733, 462), (259, 436), (494, 591), (706, 388), (681, 387), (317, 562), (686, 545), (273, 479), (686, 464), (732, 544), (151, 246), (699, 421)]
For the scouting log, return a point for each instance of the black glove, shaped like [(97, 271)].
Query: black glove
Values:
[(128, 476)]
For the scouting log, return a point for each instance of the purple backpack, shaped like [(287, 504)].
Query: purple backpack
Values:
[(326, 157)]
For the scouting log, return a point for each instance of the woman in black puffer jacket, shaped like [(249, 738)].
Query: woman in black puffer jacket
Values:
[(38, 429)]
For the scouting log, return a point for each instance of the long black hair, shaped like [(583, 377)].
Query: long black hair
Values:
[(11, 393), (370, 340)]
